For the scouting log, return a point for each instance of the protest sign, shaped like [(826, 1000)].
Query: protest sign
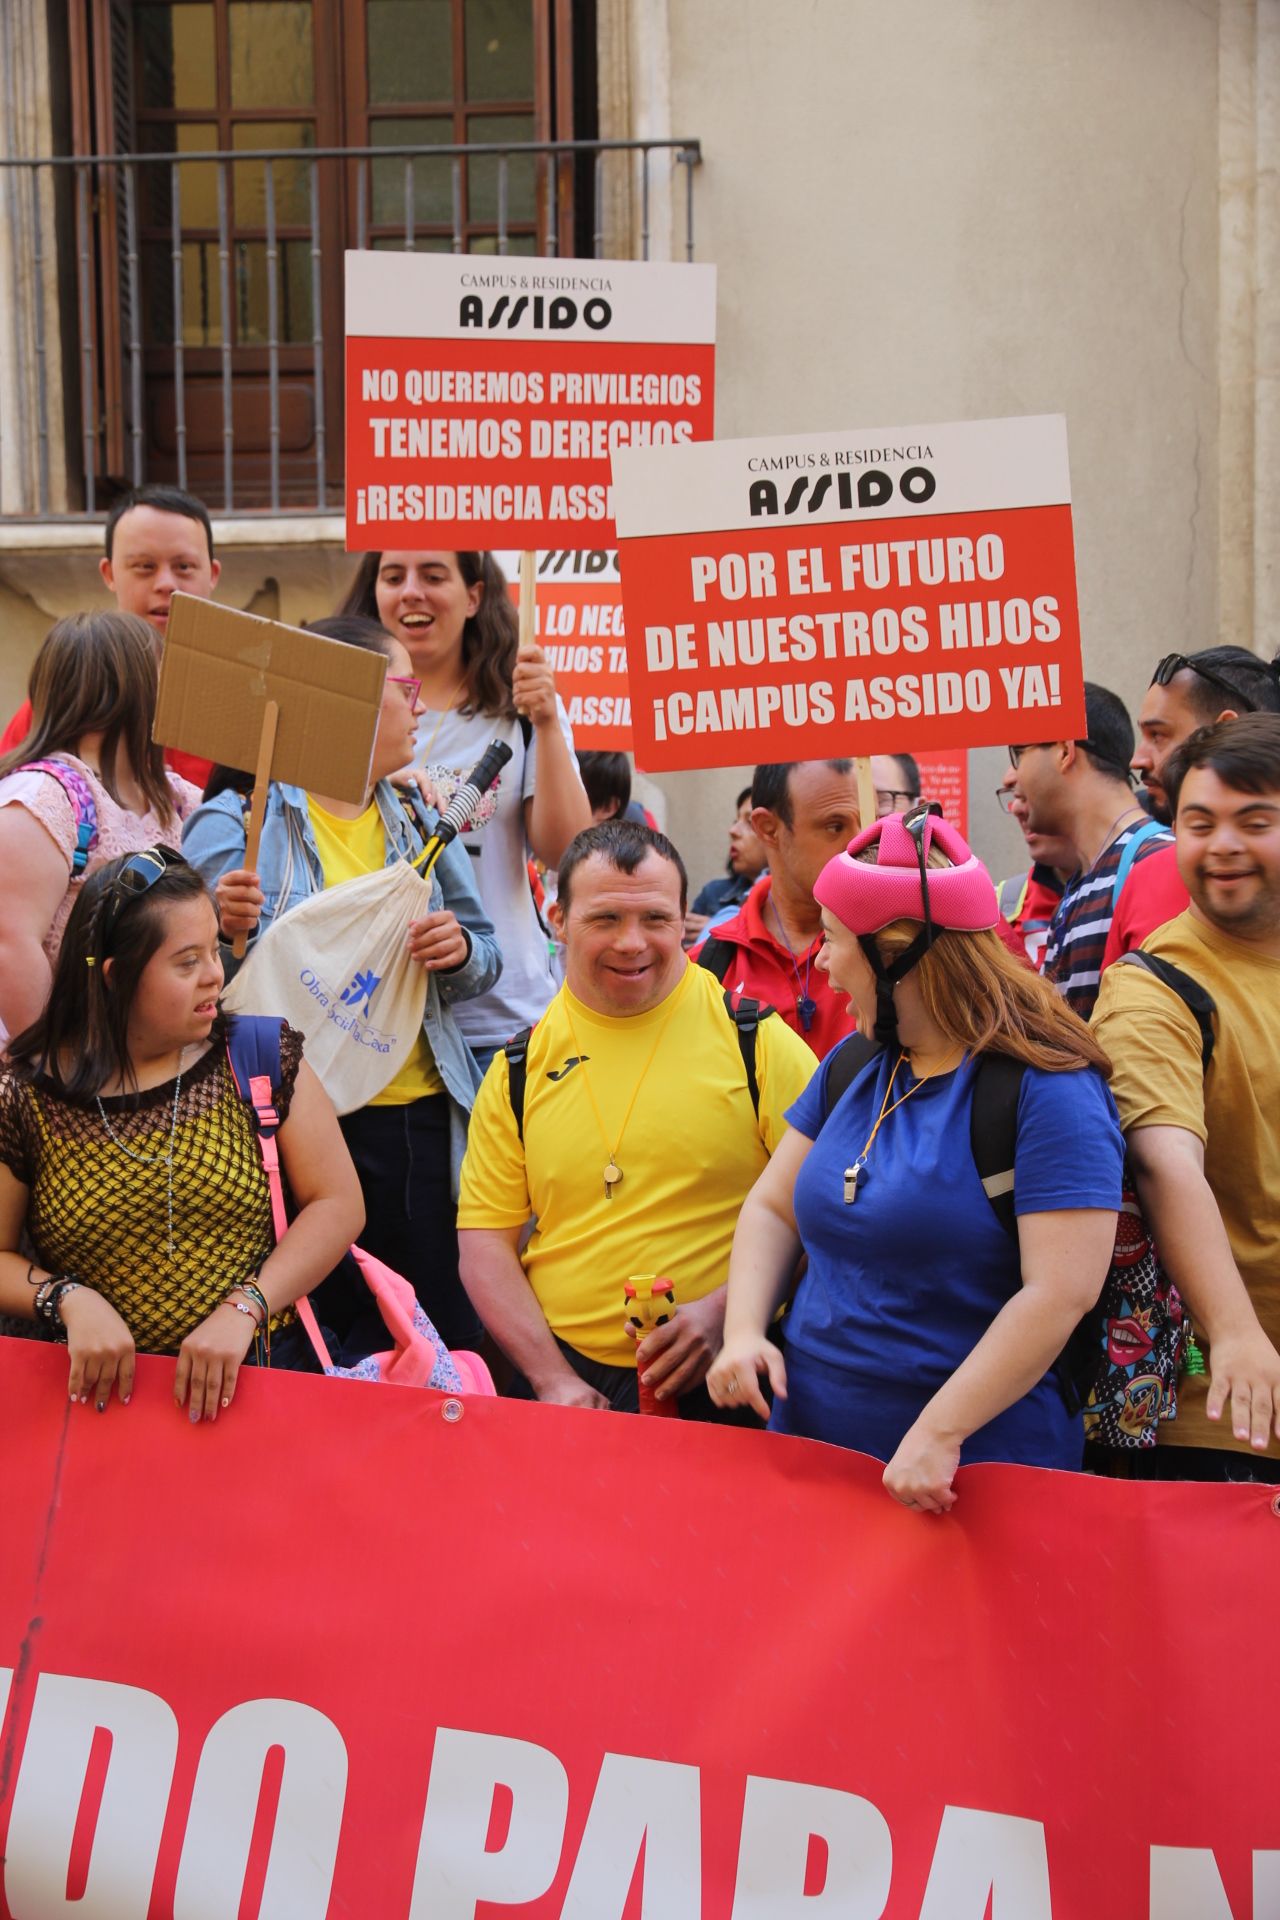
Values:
[(433, 1665), (944, 777), (877, 591), (578, 624), (484, 397), (254, 694)]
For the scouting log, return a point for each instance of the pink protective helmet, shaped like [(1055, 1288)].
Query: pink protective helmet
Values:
[(866, 898), (900, 885)]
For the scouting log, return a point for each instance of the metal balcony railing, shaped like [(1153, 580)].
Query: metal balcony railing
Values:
[(167, 344)]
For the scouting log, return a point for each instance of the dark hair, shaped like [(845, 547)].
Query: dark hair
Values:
[(606, 776), (164, 500), (354, 630), (1255, 681), (489, 637), (1109, 743), (1244, 753), (771, 784), (97, 673), (908, 772), (744, 795), (623, 844), (81, 1040)]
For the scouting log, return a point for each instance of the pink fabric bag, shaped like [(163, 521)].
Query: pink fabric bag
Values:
[(418, 1356)]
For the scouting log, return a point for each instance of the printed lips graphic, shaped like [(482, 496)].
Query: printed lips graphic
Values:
[(1128, 1342)]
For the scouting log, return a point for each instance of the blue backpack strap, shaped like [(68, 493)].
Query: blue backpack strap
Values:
[(253, 1049), (80, 794), (1132, 847)]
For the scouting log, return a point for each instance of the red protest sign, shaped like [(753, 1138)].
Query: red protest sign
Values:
[(866, 592), (343, 1688), (580, 628), (485, 397), (944, 777)]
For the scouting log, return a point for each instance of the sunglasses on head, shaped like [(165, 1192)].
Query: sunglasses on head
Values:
[(1176, 663), (915, 822), (138, 874)]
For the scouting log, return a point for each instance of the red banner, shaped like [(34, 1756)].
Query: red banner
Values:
[(373, 1652), (882, 591)]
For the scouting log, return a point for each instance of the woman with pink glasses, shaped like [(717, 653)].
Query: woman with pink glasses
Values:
[(407, 1144)]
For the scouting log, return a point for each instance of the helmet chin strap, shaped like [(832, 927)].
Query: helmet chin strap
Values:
[(887, 978)]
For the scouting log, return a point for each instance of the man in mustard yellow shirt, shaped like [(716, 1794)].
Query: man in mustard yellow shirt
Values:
[(639, 1141), (1204, 1145)]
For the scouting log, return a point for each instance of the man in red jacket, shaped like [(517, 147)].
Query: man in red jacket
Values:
[(1186, 692), (158, 542), (803, 811)]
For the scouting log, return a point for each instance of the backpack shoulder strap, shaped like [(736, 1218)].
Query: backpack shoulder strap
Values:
[(993, 1132), (80, 794), (517, 1052), (526, 729), (746, 1017), (717, 957), (1132, 846), (253, 1051), (845, 1063), (1189, 991)]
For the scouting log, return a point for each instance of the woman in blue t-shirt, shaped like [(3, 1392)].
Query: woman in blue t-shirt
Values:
[(923, 1332)]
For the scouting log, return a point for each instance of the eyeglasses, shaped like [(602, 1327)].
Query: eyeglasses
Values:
[(1175, 663), (138, 874), (1032, 746), (887, 799), (1004, 799), (1100, 753), (412, 688)]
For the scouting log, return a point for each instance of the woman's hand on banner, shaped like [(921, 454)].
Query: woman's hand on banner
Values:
[(239, 896), (734, 1379), (533, 687), (100, 1346), (922, 1470), (438, 943), (210, 1359)]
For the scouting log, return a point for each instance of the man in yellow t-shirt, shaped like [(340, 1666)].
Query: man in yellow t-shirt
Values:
[(1205, 1145), (640, 1141)]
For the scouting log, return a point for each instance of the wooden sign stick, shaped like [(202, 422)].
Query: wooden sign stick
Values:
[(528, 605), (258, 805), (866, 790)]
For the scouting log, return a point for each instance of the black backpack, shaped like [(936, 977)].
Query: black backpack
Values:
[(746, 1017)]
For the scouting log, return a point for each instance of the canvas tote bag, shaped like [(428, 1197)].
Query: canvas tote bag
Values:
[(338, 968)]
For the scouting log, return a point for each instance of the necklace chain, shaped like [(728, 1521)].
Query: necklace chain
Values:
[(613, 1172), (164, 1160), (804, 1005), (445, 711), (851, 1174)]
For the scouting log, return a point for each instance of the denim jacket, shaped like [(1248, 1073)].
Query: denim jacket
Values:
[(289, 869)]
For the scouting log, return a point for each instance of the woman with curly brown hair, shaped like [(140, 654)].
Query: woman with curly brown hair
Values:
[(454, 616)]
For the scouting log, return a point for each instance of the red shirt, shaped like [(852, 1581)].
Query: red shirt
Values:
[(189, 765), (765, 970), (1153, 892)]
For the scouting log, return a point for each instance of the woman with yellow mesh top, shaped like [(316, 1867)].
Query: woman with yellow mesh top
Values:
[(129, 1158)]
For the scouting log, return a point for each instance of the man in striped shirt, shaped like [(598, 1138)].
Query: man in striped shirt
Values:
[(1079, 791)]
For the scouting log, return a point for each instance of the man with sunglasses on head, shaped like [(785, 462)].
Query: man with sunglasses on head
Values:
[(1187, 691), (1078, 791)]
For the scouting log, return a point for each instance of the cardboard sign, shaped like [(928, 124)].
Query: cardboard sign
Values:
[(485, 396), (578, 625), (220, 668), (878, 591), (374, 1651)]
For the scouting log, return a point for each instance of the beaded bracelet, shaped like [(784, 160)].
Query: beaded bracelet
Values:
[(254, 1307), (49, 1302), (252, 1291)]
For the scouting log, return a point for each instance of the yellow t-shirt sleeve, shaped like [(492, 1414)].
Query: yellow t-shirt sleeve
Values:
[(784, 1068), (494, 1189), (1153, 1042)]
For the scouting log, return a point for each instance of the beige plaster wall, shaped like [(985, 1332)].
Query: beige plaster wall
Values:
[(947, 209)]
